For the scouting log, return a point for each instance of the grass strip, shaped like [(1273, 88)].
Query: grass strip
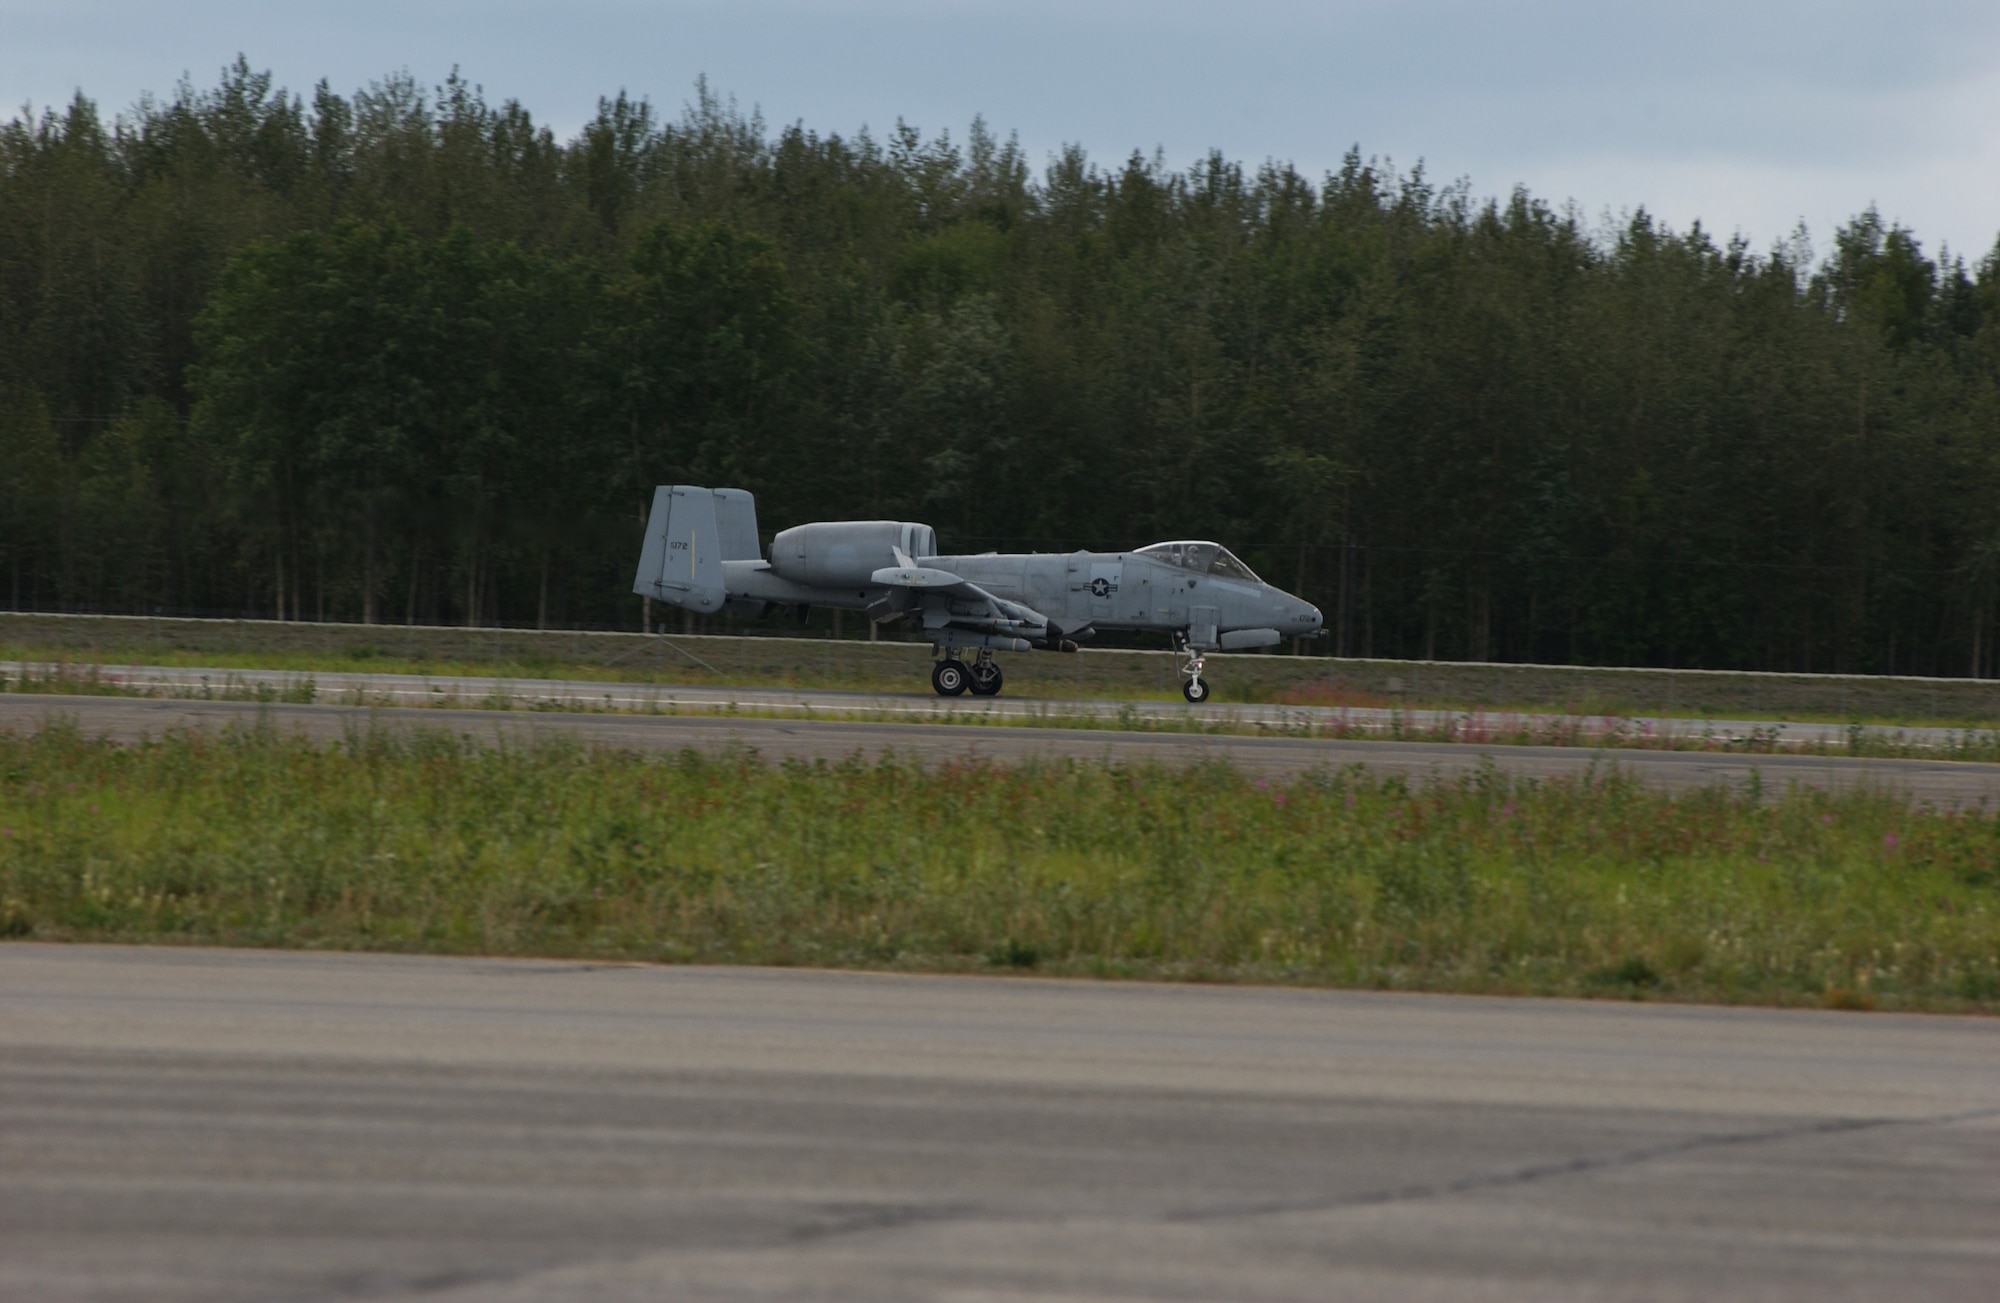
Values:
[(390, 841)]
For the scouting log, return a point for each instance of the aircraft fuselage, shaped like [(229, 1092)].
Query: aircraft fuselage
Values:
[(701, 553)]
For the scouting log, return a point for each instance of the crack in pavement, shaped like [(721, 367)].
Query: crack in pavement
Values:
[(828, 1222), (1568, 1167), (858, 1219), (825, 1222)]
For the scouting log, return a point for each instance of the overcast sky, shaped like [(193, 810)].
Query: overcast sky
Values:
[(1750, 115)]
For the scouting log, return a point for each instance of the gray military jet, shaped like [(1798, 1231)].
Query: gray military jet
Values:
[(701, 553)]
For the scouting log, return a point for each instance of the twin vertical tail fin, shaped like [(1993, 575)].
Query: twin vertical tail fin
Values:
[(736, 521), (690, 532)]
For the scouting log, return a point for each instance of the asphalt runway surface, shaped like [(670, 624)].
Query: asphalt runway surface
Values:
[(1944, 783), (348, 688), (220, 1125)]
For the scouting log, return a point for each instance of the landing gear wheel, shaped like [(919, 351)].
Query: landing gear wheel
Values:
[(949, 678), (1195, 691), (986, 679)]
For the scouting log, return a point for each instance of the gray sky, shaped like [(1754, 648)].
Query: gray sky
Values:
[(1749, 116)]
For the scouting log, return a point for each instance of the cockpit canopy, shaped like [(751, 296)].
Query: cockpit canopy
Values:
[(1202, 558)]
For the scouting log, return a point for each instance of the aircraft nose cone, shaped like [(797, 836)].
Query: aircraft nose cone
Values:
[(1313, 620)]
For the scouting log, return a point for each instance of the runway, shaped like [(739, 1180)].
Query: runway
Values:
[(215, 1125), (1944, 783), (346, 688)]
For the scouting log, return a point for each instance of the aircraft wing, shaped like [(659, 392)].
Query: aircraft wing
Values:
[(948, 601)]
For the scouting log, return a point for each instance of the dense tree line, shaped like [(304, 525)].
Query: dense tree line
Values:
[(407, 356)]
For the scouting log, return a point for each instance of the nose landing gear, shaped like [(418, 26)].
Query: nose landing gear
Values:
[(1189, 662)]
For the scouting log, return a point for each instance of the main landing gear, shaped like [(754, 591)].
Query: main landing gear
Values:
[(952, 676), (1189, 662)]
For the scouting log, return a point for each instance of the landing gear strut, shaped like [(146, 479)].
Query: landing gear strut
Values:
[(986, 676), (1189, 662)]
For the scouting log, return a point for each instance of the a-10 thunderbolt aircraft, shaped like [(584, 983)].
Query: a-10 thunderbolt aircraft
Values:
[(701, 554)]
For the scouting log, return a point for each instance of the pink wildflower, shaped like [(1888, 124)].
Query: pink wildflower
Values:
[(1889, 840)]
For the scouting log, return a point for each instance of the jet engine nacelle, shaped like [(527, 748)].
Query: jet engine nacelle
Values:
[(842, 552)]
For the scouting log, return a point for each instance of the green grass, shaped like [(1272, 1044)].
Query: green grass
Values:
[(1595, 887)]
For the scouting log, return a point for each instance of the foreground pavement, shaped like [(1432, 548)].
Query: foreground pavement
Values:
[(185, 1124), (129, 719)]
